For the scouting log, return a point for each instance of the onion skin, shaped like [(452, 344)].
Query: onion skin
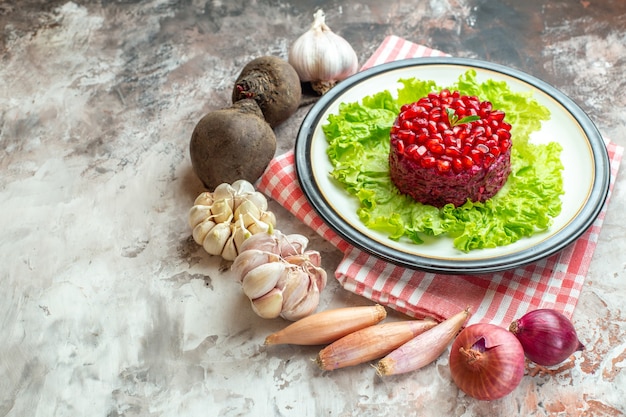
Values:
[(548, 337), (486, 361)]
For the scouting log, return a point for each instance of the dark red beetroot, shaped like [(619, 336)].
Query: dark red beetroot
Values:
[(232, 144), (274, 84), (447, 148)]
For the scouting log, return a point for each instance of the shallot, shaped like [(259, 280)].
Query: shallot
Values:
[(424, 348), (370, 343), (327, 326)]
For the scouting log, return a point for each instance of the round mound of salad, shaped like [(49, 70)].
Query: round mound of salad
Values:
[(358, 149)]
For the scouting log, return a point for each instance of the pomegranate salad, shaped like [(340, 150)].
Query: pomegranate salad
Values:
[(359, 148)]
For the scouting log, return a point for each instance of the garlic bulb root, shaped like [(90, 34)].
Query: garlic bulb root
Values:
[(279, 275), (222, 220), (322, 57)]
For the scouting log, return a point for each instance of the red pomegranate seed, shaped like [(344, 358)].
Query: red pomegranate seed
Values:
[(457, 165), (488, 160), (428, 161), (443, 165), (411, 150), (435, 146), (482, 148), (467, 161)]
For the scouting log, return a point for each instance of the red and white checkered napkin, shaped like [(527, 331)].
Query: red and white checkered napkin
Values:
[(555, 282)]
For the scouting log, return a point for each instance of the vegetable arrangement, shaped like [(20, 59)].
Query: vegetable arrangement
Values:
[(230, 148), (486, 361)]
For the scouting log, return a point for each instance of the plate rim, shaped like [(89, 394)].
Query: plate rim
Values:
[(553, 244)]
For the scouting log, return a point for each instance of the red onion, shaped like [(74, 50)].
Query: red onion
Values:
[(548, 337), (486, 361)]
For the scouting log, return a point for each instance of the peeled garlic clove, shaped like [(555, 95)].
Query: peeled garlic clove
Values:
[(240, 234), (204, 199), (268, 217), (197, 214), (222, 211), (229, 252), (242, 187), (248, 212), (268, 306), (321, 56), (215, 240), (250, 259), (260, 280), (256, 198), (224, 191), (259, 227), (202, 229)]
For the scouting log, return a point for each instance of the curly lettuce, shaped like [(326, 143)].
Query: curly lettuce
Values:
[(358, 148)]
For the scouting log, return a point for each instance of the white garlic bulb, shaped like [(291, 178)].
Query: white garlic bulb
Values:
[(223, 219), (322, 57), (279, 275)]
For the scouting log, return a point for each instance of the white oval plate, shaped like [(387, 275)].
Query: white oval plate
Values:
[(586, 171)]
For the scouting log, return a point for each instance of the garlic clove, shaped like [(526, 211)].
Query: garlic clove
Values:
[(306, 307), (322, 57), (263, 241), (256, 198), (224, 191), (198, 213), (215, 240), (260, 280), (268, 306), (268, 217), (295, 286), (242, 187), (250, 259), (259, 227), (222, 210), (248, 212), (202, 229), (240, 234), (229, 252), (318, 276), (204, 199), (293, 244), (312, 257)]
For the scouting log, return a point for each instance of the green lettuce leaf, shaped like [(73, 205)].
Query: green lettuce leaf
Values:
[(358, 148)]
